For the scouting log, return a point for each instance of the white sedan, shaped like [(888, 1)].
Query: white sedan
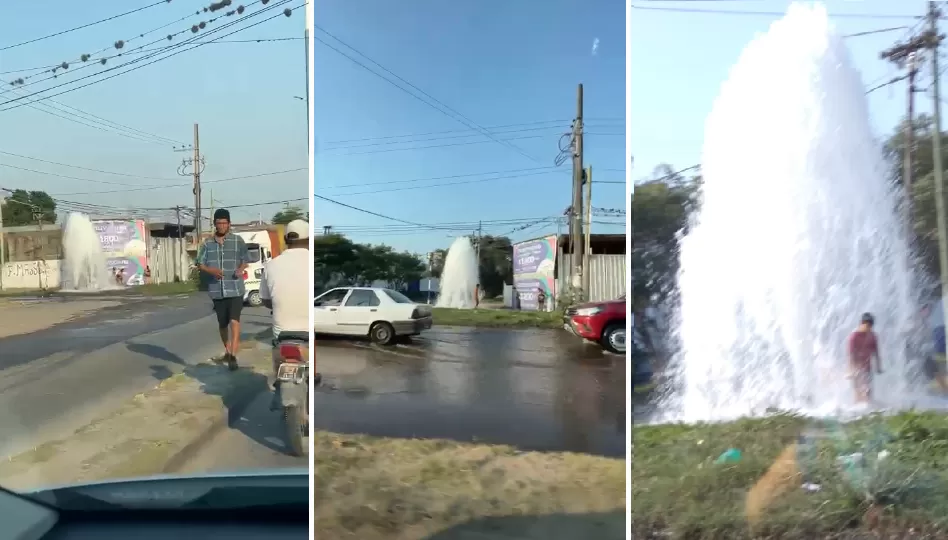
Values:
[(381, 314)]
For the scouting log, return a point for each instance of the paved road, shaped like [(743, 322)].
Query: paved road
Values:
[(534, 389), (58, 379), (253, 441)]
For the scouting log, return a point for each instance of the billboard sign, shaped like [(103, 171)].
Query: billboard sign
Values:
[(124, 246), (534, 265)]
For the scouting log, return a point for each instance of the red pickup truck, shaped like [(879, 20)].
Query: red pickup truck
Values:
[(600, 322)]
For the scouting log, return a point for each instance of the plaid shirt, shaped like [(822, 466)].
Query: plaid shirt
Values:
[(227, 256)]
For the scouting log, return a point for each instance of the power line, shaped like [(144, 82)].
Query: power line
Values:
[(187, 42), (768, 13), (102, 124), (449, 184), (426, 147), (21, 156), (112, 18), (491, 128), (164, 48), (364, 211), (448, 177), (443, 109), (183, 185), (91, 59)]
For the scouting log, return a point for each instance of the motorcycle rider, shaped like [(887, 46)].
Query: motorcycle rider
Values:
[(284, 287)]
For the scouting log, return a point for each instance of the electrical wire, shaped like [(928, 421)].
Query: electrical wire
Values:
[(100, 21), (675, 9), (31, 158), (148, 56), (440, 107), (183, 184), (164, 48), (91, 59)]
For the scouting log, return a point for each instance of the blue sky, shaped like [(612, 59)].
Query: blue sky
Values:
[(241, 94), (511, 66), (680, 59)]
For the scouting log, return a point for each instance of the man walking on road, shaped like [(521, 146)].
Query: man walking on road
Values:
[(284, 287), (224, 256)]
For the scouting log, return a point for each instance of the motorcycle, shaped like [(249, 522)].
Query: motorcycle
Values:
[(291, 354)]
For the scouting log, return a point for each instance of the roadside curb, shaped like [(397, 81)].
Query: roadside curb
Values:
[(190, 450)]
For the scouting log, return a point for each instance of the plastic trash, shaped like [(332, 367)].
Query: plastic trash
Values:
[(812, 488), (731, 455)]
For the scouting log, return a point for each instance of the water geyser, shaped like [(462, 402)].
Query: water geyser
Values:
[(84, 265), (798, 234), (459, 276)]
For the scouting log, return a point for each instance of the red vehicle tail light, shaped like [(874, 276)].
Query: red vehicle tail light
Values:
[(291, 353), (246, 275)]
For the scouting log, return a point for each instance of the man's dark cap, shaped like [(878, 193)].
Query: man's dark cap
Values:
[(222, 213), (867, 318)]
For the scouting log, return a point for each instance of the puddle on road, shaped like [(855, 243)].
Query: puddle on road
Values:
[(539, 389)]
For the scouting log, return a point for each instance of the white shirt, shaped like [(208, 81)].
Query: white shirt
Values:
[(286, 283)]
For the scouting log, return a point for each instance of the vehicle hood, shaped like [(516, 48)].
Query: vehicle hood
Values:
[(604, 303), (180, 491)]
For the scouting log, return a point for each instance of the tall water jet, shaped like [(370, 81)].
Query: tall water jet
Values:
[(798, 233), (459, 277), (84, 266)]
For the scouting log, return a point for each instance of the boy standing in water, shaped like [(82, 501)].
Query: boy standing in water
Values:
[(863, 345)]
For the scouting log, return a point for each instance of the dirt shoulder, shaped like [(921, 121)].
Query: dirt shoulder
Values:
[(146, 435), (25, 318), (402, 489)]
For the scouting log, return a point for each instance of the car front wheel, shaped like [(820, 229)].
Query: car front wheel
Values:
[(613, 339)]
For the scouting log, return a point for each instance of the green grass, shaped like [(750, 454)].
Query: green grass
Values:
[(678, 491), (497, 318)]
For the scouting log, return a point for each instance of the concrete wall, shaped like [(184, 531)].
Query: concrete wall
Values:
[(31, 275)]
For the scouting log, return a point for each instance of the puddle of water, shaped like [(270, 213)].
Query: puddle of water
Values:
[(539, 389)]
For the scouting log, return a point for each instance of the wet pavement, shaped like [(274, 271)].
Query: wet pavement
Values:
[(535, 389)]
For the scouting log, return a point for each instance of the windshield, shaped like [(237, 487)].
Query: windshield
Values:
[(128, 336), (461, 405), (253, 253)]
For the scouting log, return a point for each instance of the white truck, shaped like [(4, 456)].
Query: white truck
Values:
[(260, 249)]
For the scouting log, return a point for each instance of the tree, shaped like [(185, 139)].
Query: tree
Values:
[(925, 222), (288, 214), (495, 266), (338, 260), (28, 208), (660, 211)]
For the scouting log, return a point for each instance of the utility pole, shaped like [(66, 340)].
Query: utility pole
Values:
[(936, 155), (576, 212), (197, 183), (587, 240), (479, 233), (197, 167), (906, 55), (180, 247)]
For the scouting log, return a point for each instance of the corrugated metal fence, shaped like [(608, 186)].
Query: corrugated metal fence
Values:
[(169, 258), (607, 278)]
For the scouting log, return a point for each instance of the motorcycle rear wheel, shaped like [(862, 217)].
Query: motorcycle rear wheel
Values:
[(294, 426)]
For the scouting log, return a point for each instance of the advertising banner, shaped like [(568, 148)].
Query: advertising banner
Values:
[(124, 245), (534, 265)]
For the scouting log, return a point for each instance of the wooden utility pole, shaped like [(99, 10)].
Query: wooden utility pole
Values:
[(576, 211), (180, 247), (906, 55), (197, 183), (587, 240), (933, 15), (480, 234)]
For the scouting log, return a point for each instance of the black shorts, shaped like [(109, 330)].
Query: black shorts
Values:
[(228, 309)]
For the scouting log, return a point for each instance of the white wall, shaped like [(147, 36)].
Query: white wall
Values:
[(31, 275)]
